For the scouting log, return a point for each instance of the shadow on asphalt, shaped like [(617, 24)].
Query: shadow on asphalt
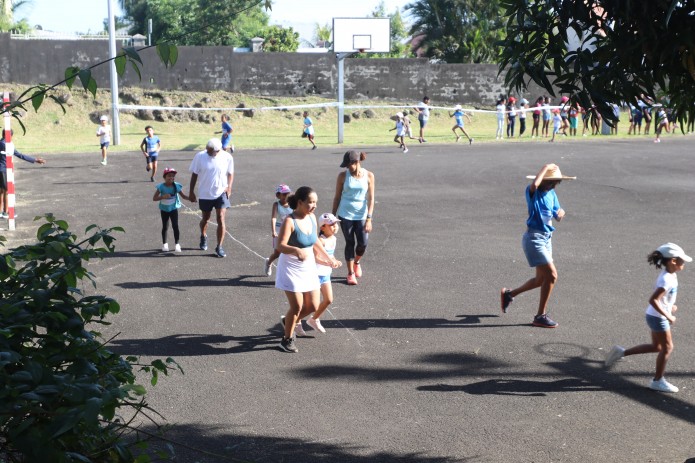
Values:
[(241, 280), (464, 321), (217, 444), (184, 345)]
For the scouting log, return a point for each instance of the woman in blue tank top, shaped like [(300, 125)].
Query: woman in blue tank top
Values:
[(354, 204), (297, 274)]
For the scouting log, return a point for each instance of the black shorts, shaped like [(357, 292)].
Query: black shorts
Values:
[(3, 181)]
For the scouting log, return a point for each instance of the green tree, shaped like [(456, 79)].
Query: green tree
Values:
[(399, 33), (457, 31), (280, 39), (322, 33), (606, 51), (8, 12)]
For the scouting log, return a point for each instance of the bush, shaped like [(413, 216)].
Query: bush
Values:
[(64, 397)]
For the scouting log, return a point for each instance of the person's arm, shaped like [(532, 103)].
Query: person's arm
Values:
[(191, 188), (274, 219), (230, 180), (370, 203), (539, 176), (27, 158), (143, 147), (158, 195), (338, 192), (654, 302), (159, 146), (322, 257), (181, 193), (467, 117)]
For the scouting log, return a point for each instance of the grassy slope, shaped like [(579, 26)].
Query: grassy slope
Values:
[(51, 131)]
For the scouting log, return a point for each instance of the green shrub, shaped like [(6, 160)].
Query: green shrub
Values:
[(64, 397)]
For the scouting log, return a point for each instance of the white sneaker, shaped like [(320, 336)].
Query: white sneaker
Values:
[(662, 385), (299, 329), (103, 163), (405, 150), (615, 354), (315, 323), (177, 248), (165, 247), (268, 269)]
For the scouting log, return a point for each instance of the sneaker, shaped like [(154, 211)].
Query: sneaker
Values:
[(314, 147), (615, 354), (267, 268), (4, 215), (177, 248), (203, 243), (151, 179), (505, 299), (282, 321), (423, 141), (351, 280), (299, 329), (544, 321), (420, 140), (220, 252), (103, 163), (232, 148), (662, 385), (147, 167), (165, 247), (315, 323), (470, 141), (405, 150), (288, 345), (358, 270), (458, 137)]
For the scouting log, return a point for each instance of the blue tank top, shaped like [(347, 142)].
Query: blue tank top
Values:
[(353, 202), (299, 239)]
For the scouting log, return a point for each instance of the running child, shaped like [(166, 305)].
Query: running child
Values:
[(104, 134), (659, 315), (661, 123), (169, 195), (328, 227), (558, 123), (308, 131), (281, 209), (150, 147), (543, 205), (400, 132), (408, 126), (227, 134), (546, 116), (459, 115)]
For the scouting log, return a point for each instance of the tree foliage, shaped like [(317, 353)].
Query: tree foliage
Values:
[(280, 39), (399, 34), (603, 51), (457, 31), (8, 21), (64, 396)]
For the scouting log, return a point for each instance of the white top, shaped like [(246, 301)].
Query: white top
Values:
[(500, 111), (424, 111), (329, 243), (104, 132), (668, 281), (212, 173)]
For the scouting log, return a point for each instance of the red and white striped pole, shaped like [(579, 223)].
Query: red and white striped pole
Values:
[(9, 154)]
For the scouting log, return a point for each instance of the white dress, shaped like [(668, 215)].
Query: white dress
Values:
[(295, 275)]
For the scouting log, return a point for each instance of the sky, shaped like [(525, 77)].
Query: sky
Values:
[(88, 15)]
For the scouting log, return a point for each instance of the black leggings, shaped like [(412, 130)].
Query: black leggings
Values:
[(174, 216), (353, 231), (510, 126)]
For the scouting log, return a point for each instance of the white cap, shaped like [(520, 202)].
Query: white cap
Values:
[(458, 106), (671, 250), (327, 218), (104, 118), (399, 114), (215, 144)]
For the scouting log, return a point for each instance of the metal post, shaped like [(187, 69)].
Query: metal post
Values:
[(115, 122), (149, 32), (341, 93)]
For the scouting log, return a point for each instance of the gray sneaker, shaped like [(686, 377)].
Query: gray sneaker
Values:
[(615, 354), (268, 268), (288, 345)]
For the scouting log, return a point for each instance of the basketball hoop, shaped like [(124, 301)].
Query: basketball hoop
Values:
[(361, 50)]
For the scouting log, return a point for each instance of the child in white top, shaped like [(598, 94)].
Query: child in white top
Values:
[(459, 115), (328, 227), (400, 132), (104, 134), (659, 315), (557, 123), (501, 107), (281, 209), (661, 123)]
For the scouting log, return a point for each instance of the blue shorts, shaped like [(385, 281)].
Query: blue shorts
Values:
[(460, 125), (206, 205), (323, 279), (657, 324), (104, 145), (537, 247), (152, 158), (423, 123)]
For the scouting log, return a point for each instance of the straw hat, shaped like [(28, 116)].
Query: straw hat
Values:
[(554, 174)]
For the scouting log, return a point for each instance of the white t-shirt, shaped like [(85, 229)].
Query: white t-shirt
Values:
[(104, 132), (668, 281), (424, 111), (212, 173), (500, 111), (329, 244)]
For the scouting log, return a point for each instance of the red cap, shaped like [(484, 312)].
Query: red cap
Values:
[(169, 170)]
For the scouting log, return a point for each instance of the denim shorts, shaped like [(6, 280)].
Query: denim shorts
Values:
[(537, 247), (152, 158), (104, 145), (657, 324), (323, 279), (423, 123), (206, 205)]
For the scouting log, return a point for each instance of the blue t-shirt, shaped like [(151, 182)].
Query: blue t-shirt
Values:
[(542, 207), (151, 144), (458, 115), (226, 134), (170, 204)]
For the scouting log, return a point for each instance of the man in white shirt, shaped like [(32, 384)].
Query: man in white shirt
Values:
[(213, 169), (423, 116)]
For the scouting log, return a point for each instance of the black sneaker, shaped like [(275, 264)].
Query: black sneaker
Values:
[(544, 321), (203, 243), (220, 252), (288, 345), (505, 299)]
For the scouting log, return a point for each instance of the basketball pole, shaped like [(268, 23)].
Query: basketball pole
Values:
[(115, 120), (341, 93)]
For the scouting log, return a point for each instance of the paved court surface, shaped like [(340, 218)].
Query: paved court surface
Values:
[(418, 364)]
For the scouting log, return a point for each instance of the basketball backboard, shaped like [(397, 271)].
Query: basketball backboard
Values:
[(373, 35)]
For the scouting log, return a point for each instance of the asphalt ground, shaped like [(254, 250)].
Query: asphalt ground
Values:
[(418, 363)]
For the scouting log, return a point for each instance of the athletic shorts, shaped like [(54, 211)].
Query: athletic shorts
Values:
[(323, 279), (104, 145), (3, 181), (538, 247), (573, 122), (657, 324), (207, 205), (423, 123), (152, 158), (459, 125), (536, 117)]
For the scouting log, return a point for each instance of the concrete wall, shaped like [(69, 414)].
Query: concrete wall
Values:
[(269, 74)]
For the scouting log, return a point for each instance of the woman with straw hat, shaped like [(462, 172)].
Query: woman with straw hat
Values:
[(543, 205)]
